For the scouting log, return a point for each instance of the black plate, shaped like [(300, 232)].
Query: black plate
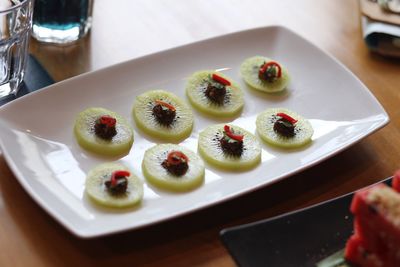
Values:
[(299, 238)]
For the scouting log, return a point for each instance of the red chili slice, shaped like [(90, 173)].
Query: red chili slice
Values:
[(117, 175), (108, 120), (176, 157), (221, 80), (274, 64), (162, 103), (286, 117), (237, 137)]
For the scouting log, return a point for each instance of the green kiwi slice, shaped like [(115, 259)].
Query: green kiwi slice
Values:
[(303, 130), (159, 176), (181, 126), (84, 130), (232, 103), (209, 147), (98, 192), (249, 71)]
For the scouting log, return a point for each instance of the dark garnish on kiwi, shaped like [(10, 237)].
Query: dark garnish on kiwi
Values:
[(270, 75), (215, 92), (163, 115), (119, 188), (104, 129), (284, 128), (231, 147), (176, 169)]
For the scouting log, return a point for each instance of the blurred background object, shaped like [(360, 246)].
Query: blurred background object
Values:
[(380, 21), (390, 5), (15, 26), (61, 21)]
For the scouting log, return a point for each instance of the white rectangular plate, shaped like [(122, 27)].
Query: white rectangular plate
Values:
[(38, 142)]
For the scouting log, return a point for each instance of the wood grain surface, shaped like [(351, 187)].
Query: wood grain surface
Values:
[(126, 29)]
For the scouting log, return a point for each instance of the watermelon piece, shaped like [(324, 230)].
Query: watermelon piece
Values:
[(377, 223), (368, 236), (355, 253)]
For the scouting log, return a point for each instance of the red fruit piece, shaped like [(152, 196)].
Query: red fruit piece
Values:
[(357, 254), (377, 222), (396, 181)]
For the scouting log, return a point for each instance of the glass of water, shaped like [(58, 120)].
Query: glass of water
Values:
[(61, 21), (15, 26)]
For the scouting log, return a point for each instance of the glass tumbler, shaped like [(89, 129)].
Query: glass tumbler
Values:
[(15, 27), (61, 21)]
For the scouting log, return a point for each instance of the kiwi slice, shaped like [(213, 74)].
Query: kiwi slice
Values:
[(230, 105), (84, 130), (209, 147), (303, 130), (181, 125), (250, 68), (158, 175), (98, 192)]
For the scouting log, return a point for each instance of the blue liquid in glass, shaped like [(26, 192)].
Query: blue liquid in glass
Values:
[(60, 14), (61, 21)]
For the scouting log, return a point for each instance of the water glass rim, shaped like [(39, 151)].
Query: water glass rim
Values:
[(17, 6)]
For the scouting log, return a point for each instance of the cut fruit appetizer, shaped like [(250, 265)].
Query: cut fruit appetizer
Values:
[(229, 147), (284, 128), (214, 94), (103, 132), (114, 185), (376, 238), (264, 74), (163, 115), (173, 167)]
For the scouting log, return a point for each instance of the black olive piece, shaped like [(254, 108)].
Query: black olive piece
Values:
[(215, 92), (176, 169), (284, 128), (119, 188), (231, 147), (104, 131), (163, 115)]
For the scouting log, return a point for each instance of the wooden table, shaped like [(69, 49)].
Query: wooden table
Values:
[(127, 29)]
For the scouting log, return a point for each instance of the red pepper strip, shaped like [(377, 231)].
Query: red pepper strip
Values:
[(271, 63), (108, 120), (221, 80), (117, 175), (162, 103), (176, 157), (286, 117), (237, 137)]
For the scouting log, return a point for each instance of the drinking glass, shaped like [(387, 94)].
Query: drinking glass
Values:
[(15, 27), (61, 21)]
